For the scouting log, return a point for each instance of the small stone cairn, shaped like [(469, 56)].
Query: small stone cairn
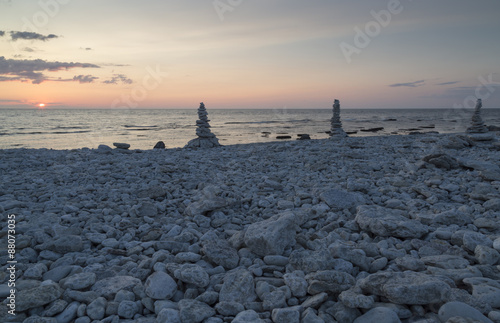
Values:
[(477, 123), (478, 131), (206, 139), (337, 132)]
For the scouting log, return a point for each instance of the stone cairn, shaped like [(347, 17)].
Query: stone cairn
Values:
[(477, 123), (337, 131), (206, 139)]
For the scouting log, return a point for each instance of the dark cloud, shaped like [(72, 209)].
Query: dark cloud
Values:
[(85, 78), (449, 83), (32, 70), (118, 78), (409, 84), (28, 49), (15, 35), (2, 33)]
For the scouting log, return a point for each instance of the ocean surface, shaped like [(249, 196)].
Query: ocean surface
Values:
[(78, 128)]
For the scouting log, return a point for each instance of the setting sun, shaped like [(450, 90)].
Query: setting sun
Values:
[(41, 105)]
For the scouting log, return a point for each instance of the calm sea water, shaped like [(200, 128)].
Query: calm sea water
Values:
[(78, 128)]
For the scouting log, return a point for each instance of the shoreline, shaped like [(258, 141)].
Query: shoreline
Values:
[(400, 226)]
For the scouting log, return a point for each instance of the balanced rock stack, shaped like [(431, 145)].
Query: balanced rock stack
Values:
[(478, 131), (477, 123), (337, 131), (206, 139)]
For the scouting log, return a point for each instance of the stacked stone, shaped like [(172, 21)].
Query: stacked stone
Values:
[(477, 123), (336, 130), (206, 139)]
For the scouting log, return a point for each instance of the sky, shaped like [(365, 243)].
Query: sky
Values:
[(249, 53)]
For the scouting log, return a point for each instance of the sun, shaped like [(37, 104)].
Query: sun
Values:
[(41, 105)]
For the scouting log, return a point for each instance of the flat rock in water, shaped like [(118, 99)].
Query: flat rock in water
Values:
[(121, 145)]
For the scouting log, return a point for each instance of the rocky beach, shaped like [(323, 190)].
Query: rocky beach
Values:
[(372, 229)]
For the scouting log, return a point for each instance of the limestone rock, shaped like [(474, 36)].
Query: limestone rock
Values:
[(160, 286), (108, 287), (388, 223), (220, 251), (248, 316), (194, 311), (193, 274), (379, 314), (272, 236), (338, 200), (452, 309), (406, 287), (238, 287), (37, 296), (441, 160)]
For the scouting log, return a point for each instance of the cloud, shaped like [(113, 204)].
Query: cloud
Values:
[(28, 49), (448, 83), (118, 78), (32, 70), (15, 35), (85, 78), (409, 84), (2, 33)]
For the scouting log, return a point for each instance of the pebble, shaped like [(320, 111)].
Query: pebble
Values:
[(257, 233)]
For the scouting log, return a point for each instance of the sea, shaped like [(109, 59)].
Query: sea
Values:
[(143, 128)]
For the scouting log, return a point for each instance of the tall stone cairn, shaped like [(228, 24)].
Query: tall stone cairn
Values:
[(336, 131), (477, 124), (206, 139)]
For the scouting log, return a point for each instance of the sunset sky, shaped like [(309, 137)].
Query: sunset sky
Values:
[(249, 53)]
